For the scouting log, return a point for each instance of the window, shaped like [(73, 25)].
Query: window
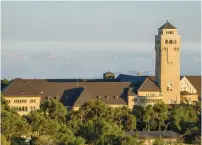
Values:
[(166, 41), (107, 97), (23, 108), (168, 88), (19, 109), (116, 97), (31, 108), (32, 101), (170, 42), (175, 49), (142, 100), (174, 42), (99, 97), (8, 101), (26, 108)]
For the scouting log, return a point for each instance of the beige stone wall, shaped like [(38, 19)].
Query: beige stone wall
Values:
[(168, 65), (146, 100), (190, 98), (23, 104), (150, 141), (116, 106), (76, 108), (132, 100), (149, 93)]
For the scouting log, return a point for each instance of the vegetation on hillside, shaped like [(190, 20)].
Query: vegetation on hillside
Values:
[(97, 124)]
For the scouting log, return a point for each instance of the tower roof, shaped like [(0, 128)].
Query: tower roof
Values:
[(167, 25)]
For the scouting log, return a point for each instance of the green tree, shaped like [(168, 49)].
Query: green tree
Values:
[(79, 141), (4, 140), (183, 116), (129, 122), (130, 140), (55, 110), (149, 116), (110, 133), (161, 111), (42, 124), (13, 125), (65, 135), (159, 141), (138, 111), (4, 83), (45, 140)]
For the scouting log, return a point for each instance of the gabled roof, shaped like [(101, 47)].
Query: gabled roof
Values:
[(84, 97), (69, 96), (149, 85), (18, 87), (196, 82), (167, 25), (70, 93)]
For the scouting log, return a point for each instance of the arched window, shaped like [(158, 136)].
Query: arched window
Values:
[(170, 42), (175, 49), (23, 108), (166, 41), (31, 108), (26, 108), (19, 109), (174, 42)]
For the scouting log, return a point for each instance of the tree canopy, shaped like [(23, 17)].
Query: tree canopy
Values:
[(95, 123)]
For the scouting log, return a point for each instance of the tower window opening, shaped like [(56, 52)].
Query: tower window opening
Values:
[(168, 88), (170, 42), (166, 41)]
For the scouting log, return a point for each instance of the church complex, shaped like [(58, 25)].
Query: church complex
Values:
[(25, 95)]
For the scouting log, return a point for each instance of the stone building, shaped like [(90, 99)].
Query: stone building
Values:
[(25, 95)]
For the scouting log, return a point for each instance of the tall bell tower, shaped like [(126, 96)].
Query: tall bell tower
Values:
[(167, 69)]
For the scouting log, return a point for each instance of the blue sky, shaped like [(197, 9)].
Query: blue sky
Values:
[(85, 39)]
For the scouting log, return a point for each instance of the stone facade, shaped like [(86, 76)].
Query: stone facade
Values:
[(23, 105), (167, 75)]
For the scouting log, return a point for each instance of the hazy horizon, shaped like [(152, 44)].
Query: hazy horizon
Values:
[(85, 39)]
